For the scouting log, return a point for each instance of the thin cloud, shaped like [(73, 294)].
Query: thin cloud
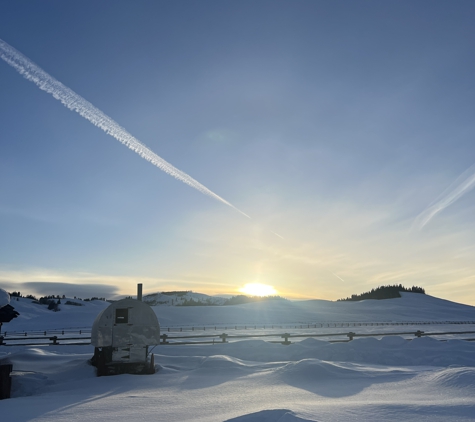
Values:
[(464, 183)]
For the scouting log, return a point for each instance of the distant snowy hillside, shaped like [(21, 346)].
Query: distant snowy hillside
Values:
[(410, 307), (34, 316), (182, 299), (4, 298)]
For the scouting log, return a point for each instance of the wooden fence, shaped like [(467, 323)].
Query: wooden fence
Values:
[(226, 327), (282, 338)]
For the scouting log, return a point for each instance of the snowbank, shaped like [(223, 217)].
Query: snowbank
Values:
[(369, 379)]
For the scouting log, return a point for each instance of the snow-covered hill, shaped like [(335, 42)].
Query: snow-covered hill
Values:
[(4, 298), (410, 307), (34, 316), (182, 299)]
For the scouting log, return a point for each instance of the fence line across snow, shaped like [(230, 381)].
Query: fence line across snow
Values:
[(226, 338), (216, 327)]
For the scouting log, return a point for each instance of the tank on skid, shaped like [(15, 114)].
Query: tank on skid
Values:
[(122, 334)]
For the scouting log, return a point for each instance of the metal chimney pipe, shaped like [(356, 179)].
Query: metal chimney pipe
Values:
[(139, 292)]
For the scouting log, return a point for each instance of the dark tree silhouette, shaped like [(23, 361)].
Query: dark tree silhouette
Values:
[(385, 292)]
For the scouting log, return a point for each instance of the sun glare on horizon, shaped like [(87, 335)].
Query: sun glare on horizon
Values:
[(258, 289)]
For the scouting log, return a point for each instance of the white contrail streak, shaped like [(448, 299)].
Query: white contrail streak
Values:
[(76, 103), (337, 276), (464, 183)]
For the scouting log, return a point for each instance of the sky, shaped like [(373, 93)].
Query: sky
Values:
[(346, 128)]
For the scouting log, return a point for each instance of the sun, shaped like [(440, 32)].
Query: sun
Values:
[(258, 289)]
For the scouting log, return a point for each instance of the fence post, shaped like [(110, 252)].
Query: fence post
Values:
[(350, 336), (223, 337), (54, 339), (419, 333), (164, 338), (286, 341)]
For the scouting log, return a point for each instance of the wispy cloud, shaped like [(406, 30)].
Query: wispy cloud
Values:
[(76, 103), (48, 281), (45, 281), (464, 183)]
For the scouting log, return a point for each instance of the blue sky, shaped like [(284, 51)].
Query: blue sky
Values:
[(334, 124)]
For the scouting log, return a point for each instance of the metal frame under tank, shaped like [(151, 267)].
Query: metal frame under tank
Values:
[(121, 335)]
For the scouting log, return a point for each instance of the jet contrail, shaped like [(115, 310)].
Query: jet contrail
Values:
[(76, 103), (460, 187), (337, 276)]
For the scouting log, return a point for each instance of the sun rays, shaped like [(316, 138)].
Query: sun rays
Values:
[(258, 289)]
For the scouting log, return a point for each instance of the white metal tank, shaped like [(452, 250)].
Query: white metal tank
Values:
[(122, 334)]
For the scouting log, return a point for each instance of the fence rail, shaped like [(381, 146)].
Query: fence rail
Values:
[(227, 338), (227, 327)]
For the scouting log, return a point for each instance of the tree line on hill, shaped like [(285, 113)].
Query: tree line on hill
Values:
[(178, 293), (384, 292), (52, 301), (235, 300), (204, 301), (32, 297)]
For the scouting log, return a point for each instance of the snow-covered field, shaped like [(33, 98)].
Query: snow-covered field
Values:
[(367, 379)]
